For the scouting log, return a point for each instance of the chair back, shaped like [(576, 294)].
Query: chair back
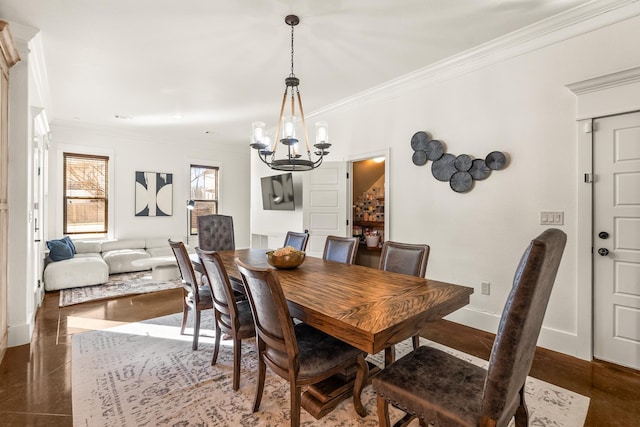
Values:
[(221, 290), (297, 240), (405, 258), (189, 281), (514, 347), (215, 233), (274, 327), (341, 249)]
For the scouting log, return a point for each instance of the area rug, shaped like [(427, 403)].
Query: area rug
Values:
[(145, 374), (119, 285)]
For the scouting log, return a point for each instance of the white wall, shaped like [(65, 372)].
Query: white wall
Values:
[(269, 227), (519, 105), (130, 153)]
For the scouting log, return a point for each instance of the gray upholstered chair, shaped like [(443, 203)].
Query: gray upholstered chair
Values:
[(298, 353), (231, 317), (404, 258), (341, 249), (297, 240), (438, 387), (196, 296), (215, 233)]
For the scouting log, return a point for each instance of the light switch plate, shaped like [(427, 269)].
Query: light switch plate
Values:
[(552, 218)]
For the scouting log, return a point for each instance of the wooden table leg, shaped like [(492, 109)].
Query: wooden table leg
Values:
[(320, 399)]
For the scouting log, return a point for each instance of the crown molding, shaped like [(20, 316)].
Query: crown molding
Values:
[(619, 78), (579, 20)]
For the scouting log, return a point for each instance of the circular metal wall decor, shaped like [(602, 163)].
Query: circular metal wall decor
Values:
[(419, 141), (419, 158), (479, 169), (434, 150), (463, 162), (444, 168), (461, 171), (461, 182), (496, 160)]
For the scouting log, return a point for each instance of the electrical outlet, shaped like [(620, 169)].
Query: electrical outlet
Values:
[(485, 288)]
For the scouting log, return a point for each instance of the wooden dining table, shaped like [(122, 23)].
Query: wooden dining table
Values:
[(368, 308)]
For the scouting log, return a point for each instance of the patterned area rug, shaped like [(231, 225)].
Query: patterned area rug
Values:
[(146, 374), (118, 285)]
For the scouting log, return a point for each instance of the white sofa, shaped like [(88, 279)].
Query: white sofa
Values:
[(95, 260)]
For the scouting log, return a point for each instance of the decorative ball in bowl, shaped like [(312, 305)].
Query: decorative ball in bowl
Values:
[(285, 258)]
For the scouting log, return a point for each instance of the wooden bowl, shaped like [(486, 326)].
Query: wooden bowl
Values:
[(285, 262)]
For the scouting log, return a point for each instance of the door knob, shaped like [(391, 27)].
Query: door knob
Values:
[(603, 251), (603, 235)]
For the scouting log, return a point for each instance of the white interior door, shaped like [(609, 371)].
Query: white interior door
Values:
[(616, 158), (324, 204)]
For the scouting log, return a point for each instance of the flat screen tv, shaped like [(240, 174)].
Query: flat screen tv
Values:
[(277, 192)]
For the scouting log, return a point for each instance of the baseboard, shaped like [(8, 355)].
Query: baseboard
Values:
[(19, 334), (551, 339)]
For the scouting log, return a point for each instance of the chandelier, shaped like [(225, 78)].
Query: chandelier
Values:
[(286, 130)]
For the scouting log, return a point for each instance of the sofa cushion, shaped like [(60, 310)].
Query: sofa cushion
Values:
[(60, 249), (164, 251), (110, 245), (119, 260), (88, 246), (83, 270)]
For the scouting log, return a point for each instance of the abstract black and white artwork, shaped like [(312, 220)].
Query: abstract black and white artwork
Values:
[(154, 194)]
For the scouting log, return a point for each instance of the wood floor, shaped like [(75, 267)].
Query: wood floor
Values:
[(35, 380)]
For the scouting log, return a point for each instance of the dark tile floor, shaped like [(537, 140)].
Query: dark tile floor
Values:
[(35, 380)]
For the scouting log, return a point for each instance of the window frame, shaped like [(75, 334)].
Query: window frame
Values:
[(200, 203), (66, 197)]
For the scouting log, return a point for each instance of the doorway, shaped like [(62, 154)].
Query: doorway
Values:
[(616, 255), (368, 208)]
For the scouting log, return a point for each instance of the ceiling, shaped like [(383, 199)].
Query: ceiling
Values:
[(203, 70)]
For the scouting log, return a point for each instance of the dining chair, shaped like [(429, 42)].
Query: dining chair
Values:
[(341, 249), (297, 240), (404, 258), (196, 296), (298, 353), (215, 233), (438, 387), (231, 317)]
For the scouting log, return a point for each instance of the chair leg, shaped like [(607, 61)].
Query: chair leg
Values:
[(216, 346), (185, 315), (389, 355), (522, 413), (237, 353), (295, 404), (260, 384), (383, 412), (416, 341), (362, 376), (196, 329)]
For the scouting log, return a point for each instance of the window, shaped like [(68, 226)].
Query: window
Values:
[(85, 193), (204, 193)]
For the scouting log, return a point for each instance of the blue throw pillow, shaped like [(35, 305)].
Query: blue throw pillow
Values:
[(59, 250), (70, 243)]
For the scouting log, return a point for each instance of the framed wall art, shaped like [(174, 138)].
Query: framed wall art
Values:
[(154, 194)]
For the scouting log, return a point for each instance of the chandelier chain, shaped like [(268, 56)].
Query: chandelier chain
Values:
[(292, 75)]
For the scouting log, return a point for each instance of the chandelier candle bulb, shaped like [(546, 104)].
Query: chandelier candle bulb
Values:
[(257, 135), (289, 127), (321, 132)]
